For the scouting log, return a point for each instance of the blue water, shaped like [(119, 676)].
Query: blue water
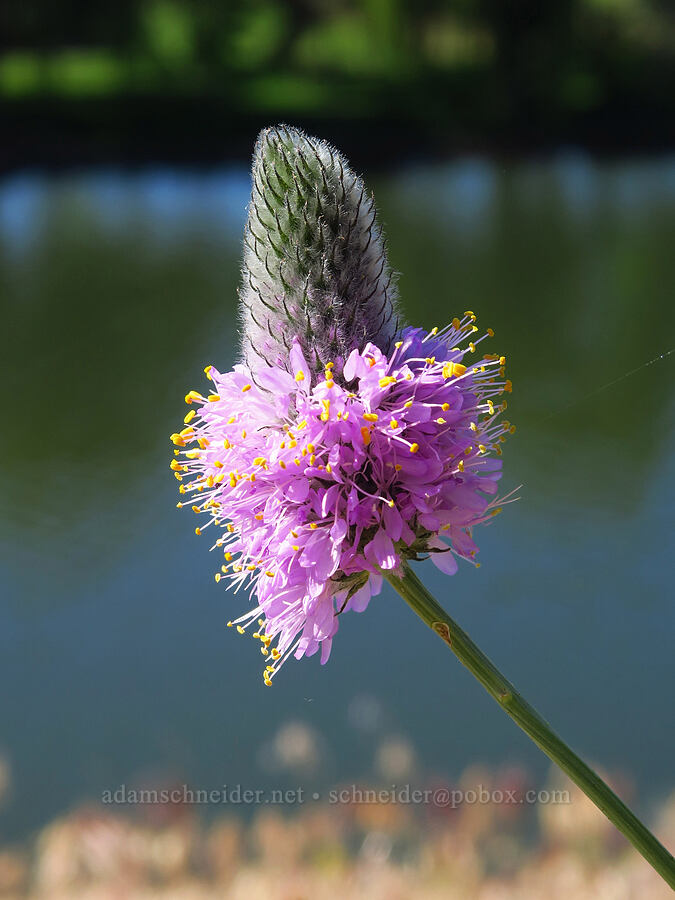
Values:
[(118, 288)]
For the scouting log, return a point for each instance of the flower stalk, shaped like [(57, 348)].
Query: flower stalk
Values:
[(526, 717)]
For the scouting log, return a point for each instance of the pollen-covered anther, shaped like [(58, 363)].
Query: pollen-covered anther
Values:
[(453, 369)]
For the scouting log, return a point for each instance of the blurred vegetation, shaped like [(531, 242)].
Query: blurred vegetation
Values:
[(78, 79)]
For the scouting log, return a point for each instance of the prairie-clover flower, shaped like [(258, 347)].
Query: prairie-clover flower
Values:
[(343, 444)]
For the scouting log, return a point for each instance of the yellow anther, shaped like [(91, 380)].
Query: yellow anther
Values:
[(460, 465), (259, 517), (240, 629), (496, 511), (472, 347), (329, 468), (282, 464), (390, 504), (414, 448), (330, 365), (213, 398), (398, 345), (231, 420), (393, 424), (198, 531), (386, 381), (193, 395), (243, 433), (275, 654), (179, 505), (473, 426), (398, 467), (311, 448), (456, 324), (482, 448), (502, 360), (512, 429), (293, 443), (445, 407), (440, 421), (217, 577), (246, 387), (300, 376), (181, 489), (196, 509), (453, 369), (175, 465), (408, 404), (371, 417), (469, 312), (269, 574), (490, 332), (207, 369), (434, 330), (189, 417), (230, 624), (233, 479), (468, 451), (508, 387), (365, 434), (312, 458), (313, 526), (295, 547), (259, 461)]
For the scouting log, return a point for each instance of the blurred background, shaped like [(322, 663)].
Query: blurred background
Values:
[(523, 160)]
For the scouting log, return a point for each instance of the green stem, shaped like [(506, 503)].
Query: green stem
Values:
[(416, 595)]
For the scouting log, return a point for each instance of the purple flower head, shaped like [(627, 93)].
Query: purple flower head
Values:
[(312, 483)]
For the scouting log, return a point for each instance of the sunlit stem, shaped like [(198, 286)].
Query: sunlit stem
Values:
[(416, 595)]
